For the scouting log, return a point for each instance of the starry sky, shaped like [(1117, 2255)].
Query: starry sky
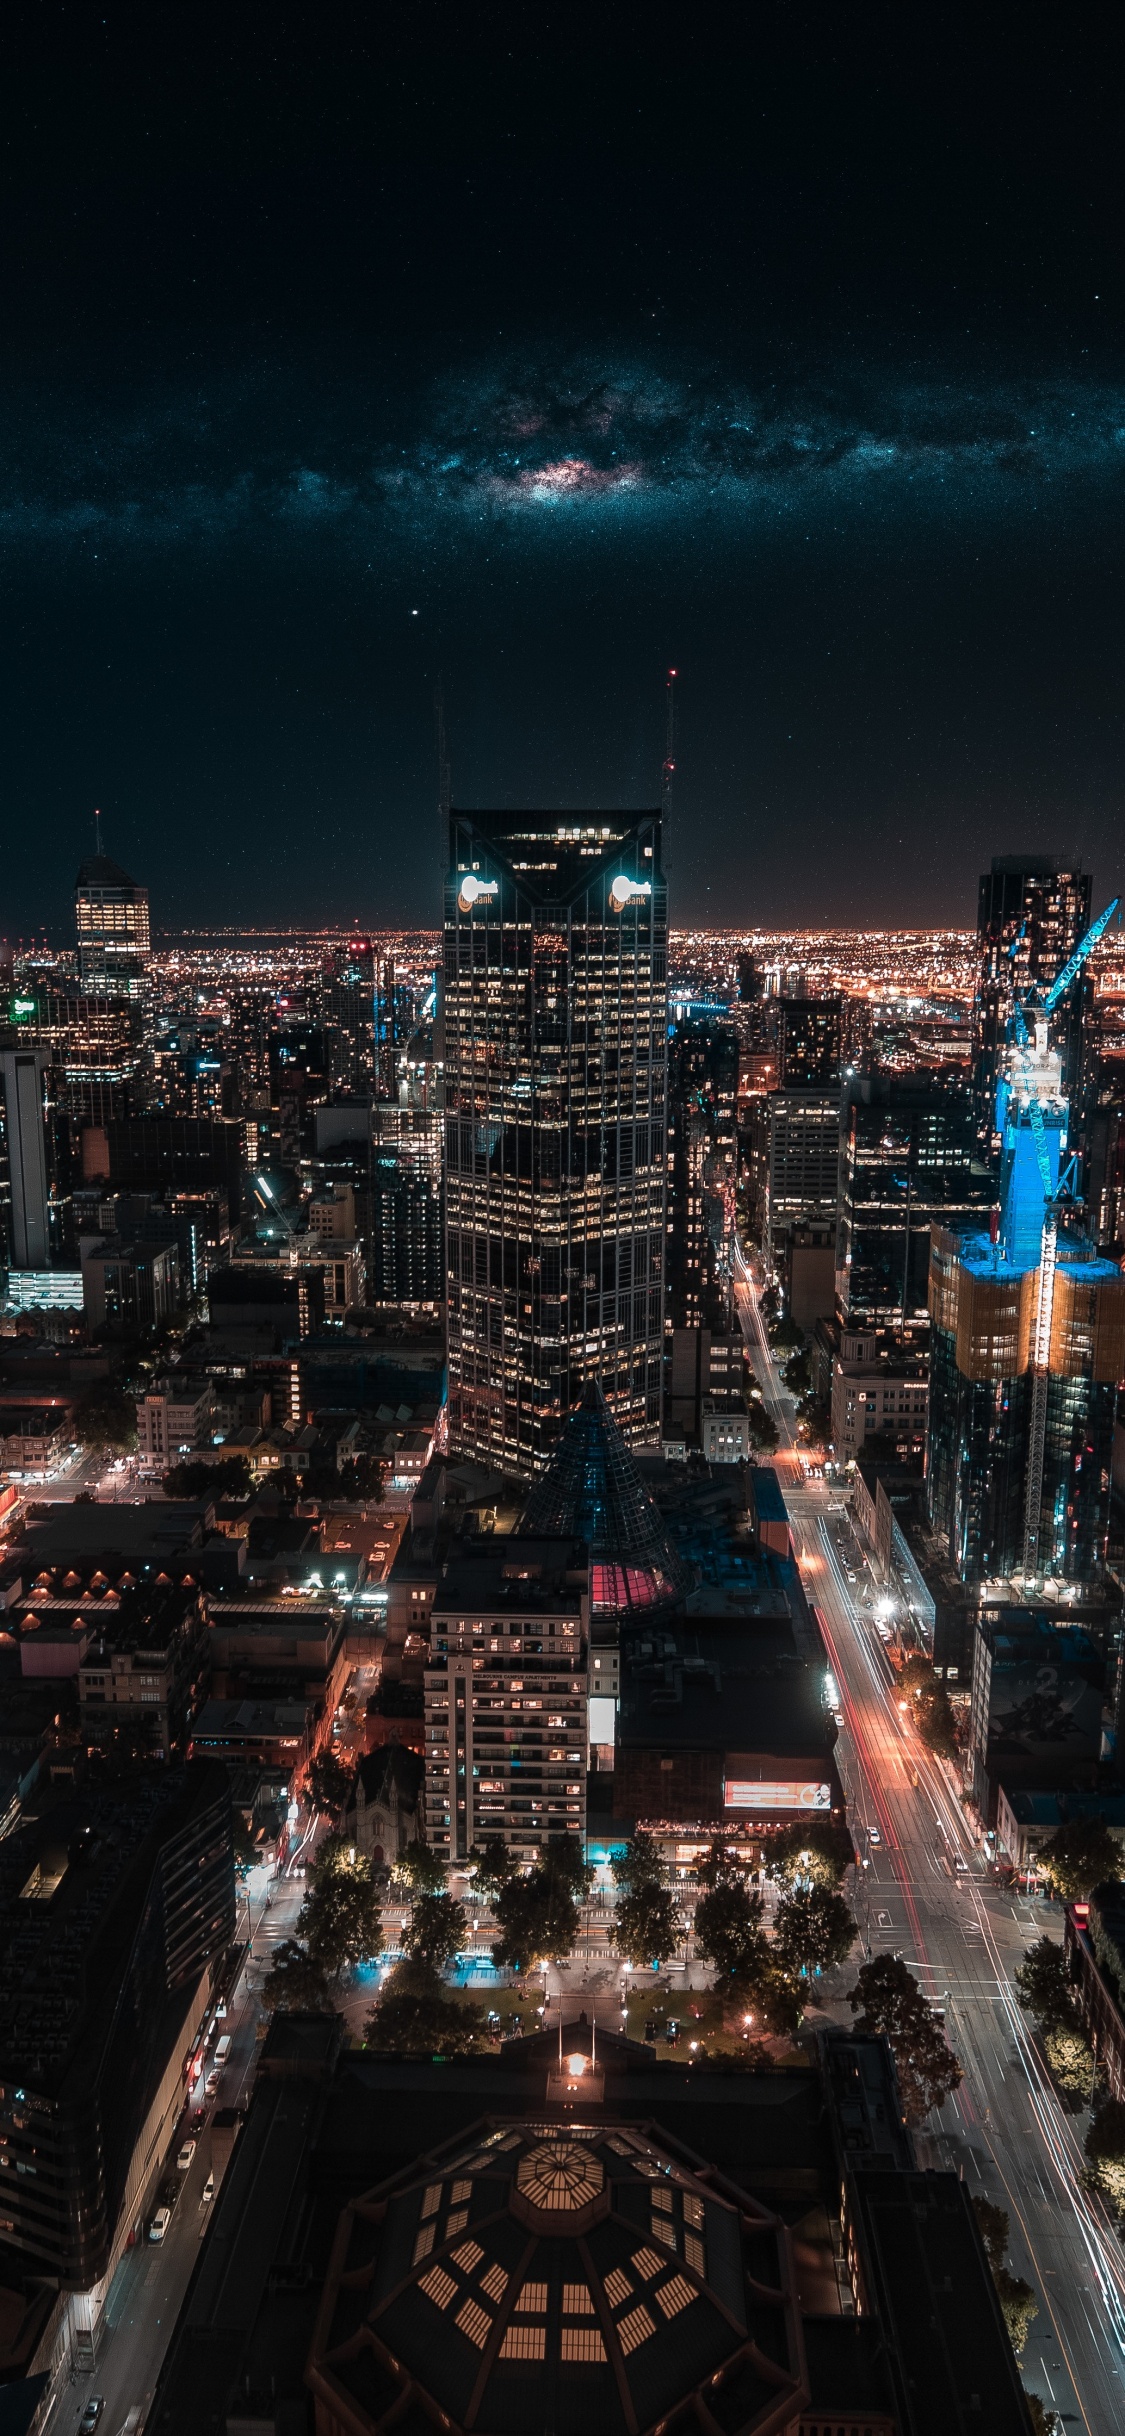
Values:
[(536, 351)]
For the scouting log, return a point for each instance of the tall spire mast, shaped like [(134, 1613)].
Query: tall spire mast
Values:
[(668, 770), (97, 833), (445, 790)]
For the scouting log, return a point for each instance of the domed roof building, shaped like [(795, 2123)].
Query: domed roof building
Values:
[(563, 2277)]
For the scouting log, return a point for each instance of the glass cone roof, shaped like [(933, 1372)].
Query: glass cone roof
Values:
[(592, 1490)]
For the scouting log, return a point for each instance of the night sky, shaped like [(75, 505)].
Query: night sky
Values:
[(540, 349)]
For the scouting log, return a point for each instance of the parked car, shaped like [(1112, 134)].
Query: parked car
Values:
[(961, 1866), (92, 2414), (212, 2081), (160, 2224), (208, 2191), (185, 2157)]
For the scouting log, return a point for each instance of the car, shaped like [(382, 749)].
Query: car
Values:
[(212, 2081), (961, 1867), (221, 2009), (160, 2224), (208, 2191), (873, 1836), (92, 2414), (185, 2157), (850, 1574)]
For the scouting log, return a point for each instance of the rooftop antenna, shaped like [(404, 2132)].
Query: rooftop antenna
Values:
[(445, 792), (98, 847), (668, 770)]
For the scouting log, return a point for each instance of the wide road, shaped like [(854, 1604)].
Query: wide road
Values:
[(149, 2285), (923, 1895)]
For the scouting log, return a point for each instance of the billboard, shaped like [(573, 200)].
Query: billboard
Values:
[(747, 1793)]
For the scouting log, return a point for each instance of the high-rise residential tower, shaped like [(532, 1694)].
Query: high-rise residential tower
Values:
[(555, 1040), (1032, 911)]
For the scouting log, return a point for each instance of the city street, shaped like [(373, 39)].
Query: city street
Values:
[(149, 2284), (923, 1895)]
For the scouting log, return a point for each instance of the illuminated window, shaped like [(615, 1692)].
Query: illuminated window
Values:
[(635, 2329), (460, 2191), (424, 2242), (647, 2263), (524, 2343), (662, 2199), (618, 2287), (693, 2211), (474, 2322), (576, 2301), (581, 2343), (533, 2297), (695, 2253), (674, 2296), (457, 2222), (468, 2256), (495, 2283), (432, 2201), (438, 2287)]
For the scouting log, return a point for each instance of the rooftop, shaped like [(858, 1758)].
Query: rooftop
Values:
[(592, 1490), (689, 1684)]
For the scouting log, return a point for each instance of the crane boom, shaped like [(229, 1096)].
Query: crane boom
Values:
[(1074, 964)]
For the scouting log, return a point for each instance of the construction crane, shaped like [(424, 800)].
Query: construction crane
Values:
[(1056, 1194)]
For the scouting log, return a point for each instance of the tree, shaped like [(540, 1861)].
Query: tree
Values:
[(1105, 2148), (1043, 1987), (721, 1866), (230, 1478), (1044, 2420), (764, 1433), (1019, 2302), (813, 1930), (1081, 1854), (638, 1863), (994, 2225), (105, 1420), (361, 1480), (728, 1930), (340, 1917), (493, 1866), (815, 1853), (889, 2001), (647, 1926), (437, 1930), (420, 1869), (415, 2015), (329, 1782), (537, 1917), (930, 1707), (295, 1983)]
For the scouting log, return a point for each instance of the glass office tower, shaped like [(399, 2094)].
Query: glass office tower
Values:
[(555, 1042)]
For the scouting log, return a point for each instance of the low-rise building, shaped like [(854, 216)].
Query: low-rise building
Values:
[(145, 1671), (34, 1434), (722, 1724), (1094, 1945), (879, 1389), (174, 1417)]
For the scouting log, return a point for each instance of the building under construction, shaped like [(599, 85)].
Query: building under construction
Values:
[(1028, 1342)]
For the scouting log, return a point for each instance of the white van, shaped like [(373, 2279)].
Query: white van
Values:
[(223, 2049), (160, 2224)]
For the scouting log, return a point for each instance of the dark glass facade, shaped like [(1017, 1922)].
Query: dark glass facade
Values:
[(909, 1160), (1031, 914), (554, 1021)]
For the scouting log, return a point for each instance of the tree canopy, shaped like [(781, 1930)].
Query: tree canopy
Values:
[(230, 1478), (728, 1930), (813, 1930), (811, 1851), (106, 1419), (647, 1926), (1105, 2148), (889, 2001), (330, 1782), (415, 2015), (638, 1863), (436, 1931), (420, 1868), (930, 1707), (295, 1983), (340, 1918), (1043, 1987), (1081, 1854), (537, 1912)]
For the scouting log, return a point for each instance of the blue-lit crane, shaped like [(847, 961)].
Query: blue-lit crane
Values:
[(1033, 1192)]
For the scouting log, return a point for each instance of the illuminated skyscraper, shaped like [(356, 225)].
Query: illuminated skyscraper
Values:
[(111, 919), (556, 1096), (1031, 915)]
